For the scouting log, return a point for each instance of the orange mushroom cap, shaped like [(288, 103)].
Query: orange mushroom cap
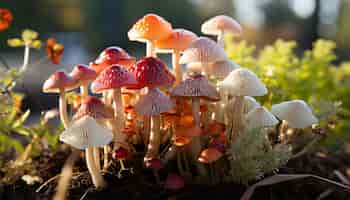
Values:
[(179, 39), (210, 155), (150, 27)]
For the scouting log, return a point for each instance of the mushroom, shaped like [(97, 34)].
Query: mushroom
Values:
[(59, 82), (151, 72), (112, 56), (152, 104), (174, 182), (175, 43), (148, 29), (196, 87), (84, 75), (210, 156), (296, 112), (239, 83), (155, 164), (121, 154), (220, 25), (93, 107), (220, 69), (260, 118), (203, 50), (85, 133)]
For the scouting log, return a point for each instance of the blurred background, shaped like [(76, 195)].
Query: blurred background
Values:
[(86, 27)]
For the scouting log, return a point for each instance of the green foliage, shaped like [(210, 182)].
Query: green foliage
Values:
[(251, 156), (312, 77)]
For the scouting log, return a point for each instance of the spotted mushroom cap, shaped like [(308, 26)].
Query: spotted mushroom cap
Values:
[(296, 112), (113, 77), (83, 73), (59, 80), (152, 72), (93, 107), (179, 40), (260, 117), (196, 86), (243, 82), (150, 27), (153, 103), (221, 24), (112, 56), (203, 49), (221, 69), (86, 133)]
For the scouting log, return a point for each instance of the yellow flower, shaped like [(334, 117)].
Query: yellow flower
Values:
[(29, 38)]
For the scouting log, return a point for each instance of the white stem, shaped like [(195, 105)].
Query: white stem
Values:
[(25, 58), (97, 178), (150, 51), (237, 115), (196, 142), (154, 138), (63, 109), (221, 39), (118, 112), (176, 66), (96, 151), (105, 148), (84, 90)]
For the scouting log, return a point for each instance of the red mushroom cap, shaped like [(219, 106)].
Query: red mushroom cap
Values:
[(155, 164), (83, 73), (174, 182), (94, 107), (120, 154), (59, 81), (111, 56), (152, 72), (113, 77)]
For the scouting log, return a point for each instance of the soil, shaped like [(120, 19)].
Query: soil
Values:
[(141, 184)]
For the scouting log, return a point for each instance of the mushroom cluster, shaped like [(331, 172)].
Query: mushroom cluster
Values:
[(191, 117)]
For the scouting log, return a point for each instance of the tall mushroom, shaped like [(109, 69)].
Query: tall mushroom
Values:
[(60, 82), (112, 56), (84, 75), (113, 79), (196, 87), (260, 117), (220, 25), (85, 133), (148, 29), (151, 72), (296, 112), (175, 43), (239, 83)]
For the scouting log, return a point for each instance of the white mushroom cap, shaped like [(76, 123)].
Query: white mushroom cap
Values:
[(250, 103), (296, 112), (203, 49), (153, 103), (86, 133), (220, 24), (243, 82), (221, 69), (260, 117)]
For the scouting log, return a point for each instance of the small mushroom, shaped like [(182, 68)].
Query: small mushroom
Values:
[(175, 43), (239, 83), (296, 112), (220, 69), (260, 118), (220, 25), (84, 75), (85, 133), (112, 56), (149, 29), (121, 154), (210, 155), (60, 82), (196, 87)]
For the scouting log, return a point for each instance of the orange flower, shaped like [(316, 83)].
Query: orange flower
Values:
[(54, 50), (5, 18)]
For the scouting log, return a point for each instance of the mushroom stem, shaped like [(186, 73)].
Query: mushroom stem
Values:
[(118, 112), (63, 109), (237, 116), (176, 66), (97, 178), (179, 164), (196, 142), (154, 138), (105, 148), (146, 129), (84, 90), (221, 39), (150, 49)]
